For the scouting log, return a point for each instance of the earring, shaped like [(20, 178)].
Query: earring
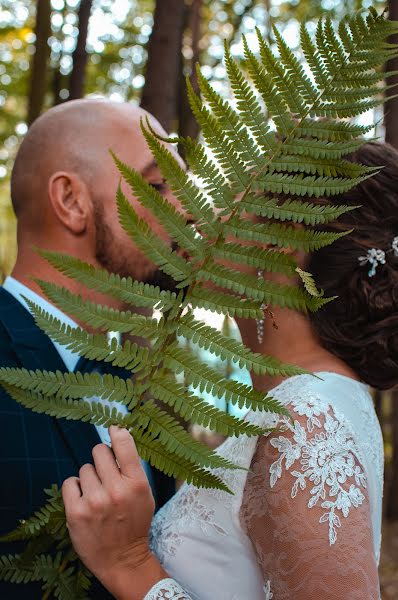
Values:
[(260, 322)]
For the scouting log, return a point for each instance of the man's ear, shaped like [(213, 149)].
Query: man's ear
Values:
[(70, 200)]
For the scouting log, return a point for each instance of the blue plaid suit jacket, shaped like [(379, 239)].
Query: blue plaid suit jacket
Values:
[(36, 450)]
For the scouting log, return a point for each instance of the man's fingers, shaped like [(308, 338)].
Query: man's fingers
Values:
[(71, 492), (89, 481), (105, 465), (125, 452)]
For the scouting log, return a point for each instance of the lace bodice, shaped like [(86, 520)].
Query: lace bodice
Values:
[(304, 521)]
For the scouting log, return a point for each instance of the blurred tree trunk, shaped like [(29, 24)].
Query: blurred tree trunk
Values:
[(162, 73), (378, 400), (187, 125), (392, 498), (391, 108), (79, 56), (391, 124), (38, 81)]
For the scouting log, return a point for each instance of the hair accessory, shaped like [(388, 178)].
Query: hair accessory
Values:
[(394, 246), (375, 256)]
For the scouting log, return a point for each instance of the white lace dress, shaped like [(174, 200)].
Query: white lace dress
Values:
[(304, 522)]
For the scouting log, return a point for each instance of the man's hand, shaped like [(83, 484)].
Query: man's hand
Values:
[(109, 509)]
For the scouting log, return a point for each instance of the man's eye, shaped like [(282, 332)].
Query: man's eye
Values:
[(160, 186)]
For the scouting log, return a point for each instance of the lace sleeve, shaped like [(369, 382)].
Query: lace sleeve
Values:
[(306, 510), (167, 589)]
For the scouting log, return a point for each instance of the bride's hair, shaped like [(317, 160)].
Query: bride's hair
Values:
[(361, 326)]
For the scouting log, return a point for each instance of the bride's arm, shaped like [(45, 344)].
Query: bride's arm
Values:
[(306, 510), (109, 509)]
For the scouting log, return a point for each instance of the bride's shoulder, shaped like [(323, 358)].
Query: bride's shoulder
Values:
[(308, 397)]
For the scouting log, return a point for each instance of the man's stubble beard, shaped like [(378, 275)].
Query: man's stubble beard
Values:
[(116, 258)]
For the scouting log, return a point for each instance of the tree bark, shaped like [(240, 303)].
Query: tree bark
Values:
[(38, 80), (391, 107), (392, 498), (187, 125), (378, 400), (79, 56), (160, 91)]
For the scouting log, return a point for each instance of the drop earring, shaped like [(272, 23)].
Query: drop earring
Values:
[(260, 322)]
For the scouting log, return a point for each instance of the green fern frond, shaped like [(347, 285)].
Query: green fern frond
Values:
[(224, 304), (272, 98), (281, 77), (175, 438), (309, 283), (101, 316), (72, 385), (300, 185), (296, 211), (63, 408), (321, 149), (283, 236), (211, 381), (191, 198), (153, 247), (154, 452), (211, 339), (195, 410), (294, 69), (324, 167), (50, 518), (250, 111), (254, 256), (125, 289), (288, 296), (330, 129), (13, 570), (173, 221), (224, 151), (214, 182), (93, 346), (231, 124)]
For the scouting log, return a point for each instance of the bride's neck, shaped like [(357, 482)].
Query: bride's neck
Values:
[(292, 342)]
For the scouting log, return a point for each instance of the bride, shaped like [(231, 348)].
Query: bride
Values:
[(305, 521)]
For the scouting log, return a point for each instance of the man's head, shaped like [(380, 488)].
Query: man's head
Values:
[(64, 183)]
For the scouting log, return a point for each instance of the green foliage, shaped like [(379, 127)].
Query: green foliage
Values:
[(257, 179), (47, 557)]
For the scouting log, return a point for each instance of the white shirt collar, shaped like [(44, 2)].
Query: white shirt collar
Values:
[(18, 289)]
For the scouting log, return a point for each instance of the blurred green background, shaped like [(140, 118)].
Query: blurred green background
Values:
[(52, 51)]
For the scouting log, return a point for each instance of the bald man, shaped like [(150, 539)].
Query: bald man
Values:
[(63, 188)]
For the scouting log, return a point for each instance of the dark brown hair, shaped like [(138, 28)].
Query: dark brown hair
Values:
[(361, 325)]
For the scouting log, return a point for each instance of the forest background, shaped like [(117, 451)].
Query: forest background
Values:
[(53, 51)]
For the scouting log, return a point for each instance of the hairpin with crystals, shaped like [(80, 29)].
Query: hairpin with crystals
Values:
[(376, 257)]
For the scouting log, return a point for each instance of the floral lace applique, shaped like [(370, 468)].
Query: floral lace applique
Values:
[(328, 460), (177, 517), (267, 591), (167, 589)]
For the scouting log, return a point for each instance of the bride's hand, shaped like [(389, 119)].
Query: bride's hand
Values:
[(109, 509)]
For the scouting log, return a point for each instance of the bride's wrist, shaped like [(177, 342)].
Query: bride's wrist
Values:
[(134, 575)]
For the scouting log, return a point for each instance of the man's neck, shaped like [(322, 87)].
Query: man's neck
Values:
[(40, 269)]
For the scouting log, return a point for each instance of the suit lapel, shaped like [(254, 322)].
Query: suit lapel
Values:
[(36, 351)]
